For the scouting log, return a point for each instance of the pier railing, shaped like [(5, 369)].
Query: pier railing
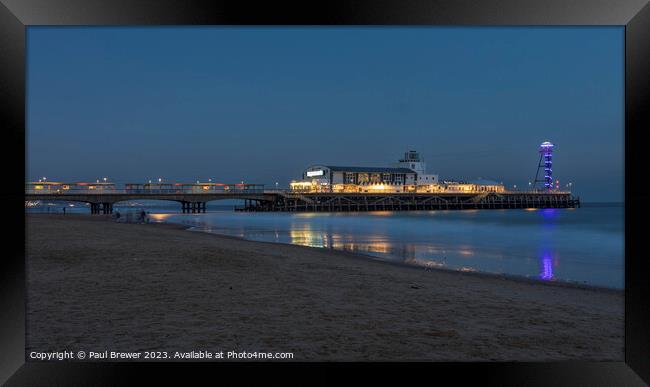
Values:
[(140, 190)]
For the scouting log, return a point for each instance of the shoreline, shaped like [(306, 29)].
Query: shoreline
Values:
[(368, 257), (95, 284)]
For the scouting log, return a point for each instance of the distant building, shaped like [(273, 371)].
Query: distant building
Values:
[(43, 187), (184, 188), (327, 178), (412, 161), (409, 175), (96, 186), (474, 186)]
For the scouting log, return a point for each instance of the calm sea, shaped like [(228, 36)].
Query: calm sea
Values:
[(582, 245)]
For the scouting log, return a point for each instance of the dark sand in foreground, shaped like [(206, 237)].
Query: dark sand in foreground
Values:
[(97, 285)]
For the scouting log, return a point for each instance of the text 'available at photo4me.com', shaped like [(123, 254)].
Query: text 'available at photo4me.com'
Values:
[(158, 355)]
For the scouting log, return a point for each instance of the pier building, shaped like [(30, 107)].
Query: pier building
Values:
[(412, 161), (479, 185), (101, 186), (326, 178), (407, 176), (56, 187), (44, 187), (190, 188)]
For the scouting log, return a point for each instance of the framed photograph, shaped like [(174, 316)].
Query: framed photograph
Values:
[(448, 186)]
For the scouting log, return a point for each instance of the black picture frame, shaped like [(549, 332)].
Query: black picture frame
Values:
[(17, 15)]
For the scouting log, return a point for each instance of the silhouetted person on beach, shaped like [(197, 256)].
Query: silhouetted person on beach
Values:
[(63, 210), (117, 215), (142, 215)]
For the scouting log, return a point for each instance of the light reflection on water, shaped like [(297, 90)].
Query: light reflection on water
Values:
[(588, 242), (547, 268)]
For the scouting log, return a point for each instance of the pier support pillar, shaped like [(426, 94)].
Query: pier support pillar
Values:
[(107, 208)]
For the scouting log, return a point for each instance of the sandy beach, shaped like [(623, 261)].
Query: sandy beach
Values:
[(95, 285)]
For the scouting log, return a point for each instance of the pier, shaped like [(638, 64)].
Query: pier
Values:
[(327, 188), (345, 202), (259, 200), (192, 200)]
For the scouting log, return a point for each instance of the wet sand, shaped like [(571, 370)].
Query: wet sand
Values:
[(95, 285)]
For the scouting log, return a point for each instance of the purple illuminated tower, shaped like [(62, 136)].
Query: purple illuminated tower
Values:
[(546, 163)]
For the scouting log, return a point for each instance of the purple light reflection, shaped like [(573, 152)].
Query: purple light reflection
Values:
[(546, 273), (550, 213)]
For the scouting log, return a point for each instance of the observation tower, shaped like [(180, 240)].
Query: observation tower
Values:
[(545, 163)]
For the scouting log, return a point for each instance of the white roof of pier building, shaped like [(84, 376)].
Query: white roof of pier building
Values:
[(476, 182), (368, 169), (484, 182)]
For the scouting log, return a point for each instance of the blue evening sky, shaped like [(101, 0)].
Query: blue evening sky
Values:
[(261, 104)]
